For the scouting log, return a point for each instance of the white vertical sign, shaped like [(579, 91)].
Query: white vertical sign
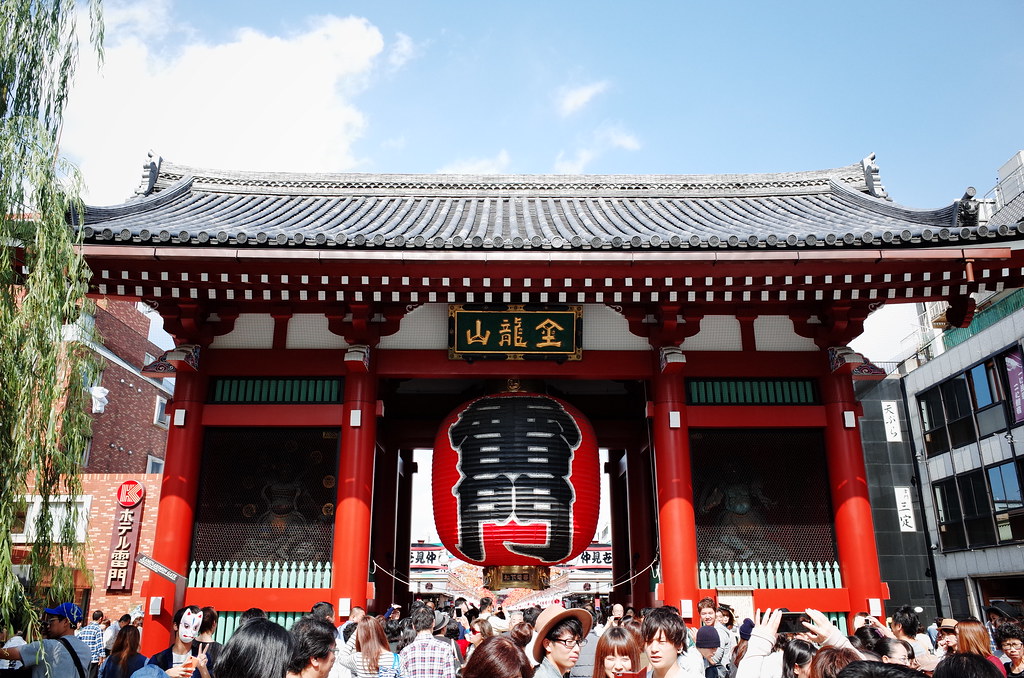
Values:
[(905, 509), (891, 419)]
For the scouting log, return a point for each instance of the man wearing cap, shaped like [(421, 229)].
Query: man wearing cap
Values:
[(441, 621), (697, 661), (948, 639), (561, 633), (61, 655), (426, 656)]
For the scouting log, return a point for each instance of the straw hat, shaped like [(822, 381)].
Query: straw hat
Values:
[(551, 616)]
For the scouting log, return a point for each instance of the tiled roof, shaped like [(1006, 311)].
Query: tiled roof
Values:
[(829, 208)]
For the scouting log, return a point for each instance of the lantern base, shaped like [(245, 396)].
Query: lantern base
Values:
[(534, 577)]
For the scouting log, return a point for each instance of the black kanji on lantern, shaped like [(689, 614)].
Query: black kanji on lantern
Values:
[(515, 455)]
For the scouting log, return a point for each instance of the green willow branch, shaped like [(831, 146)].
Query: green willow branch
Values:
[(44, 367)]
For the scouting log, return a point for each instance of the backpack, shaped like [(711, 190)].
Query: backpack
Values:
[(393, 671)]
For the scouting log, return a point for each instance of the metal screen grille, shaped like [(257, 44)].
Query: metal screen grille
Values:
[(752, 392), (276, 390), (267, 495), (761, 495)]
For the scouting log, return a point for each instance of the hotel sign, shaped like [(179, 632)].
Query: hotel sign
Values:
[(125, 539), (515, 332)]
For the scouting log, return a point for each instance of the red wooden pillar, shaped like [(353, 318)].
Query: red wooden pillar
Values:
[(351, 554), (620, 509), (403, 529), (176, 516), (641, 507), (676, 531), (385, 488), (855, 530)]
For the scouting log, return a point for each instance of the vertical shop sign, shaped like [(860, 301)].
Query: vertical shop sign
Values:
[(125, 539), (891, 420), (905, 509), (1015, 377)]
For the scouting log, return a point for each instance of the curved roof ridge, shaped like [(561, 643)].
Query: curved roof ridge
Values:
[(142, 203), (319, 183), (942, 216)]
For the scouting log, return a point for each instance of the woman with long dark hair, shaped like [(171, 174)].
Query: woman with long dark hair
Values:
[(796, 658), (259, 648), (124, 659)]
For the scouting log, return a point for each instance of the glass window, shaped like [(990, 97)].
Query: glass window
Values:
[(947, 506), (956, 397), (160, 416), (1005, 487), (154, 465), (959, 605), (977, 509), (936, 440), (962, 432), (992, 420), (1007, 502), (931, 409), (982, 388)]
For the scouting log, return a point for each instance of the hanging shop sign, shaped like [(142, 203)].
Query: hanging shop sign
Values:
[(514, 332), (516, 481), (124, 542)]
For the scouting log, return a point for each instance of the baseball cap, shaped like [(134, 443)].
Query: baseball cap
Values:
[(69, 611)]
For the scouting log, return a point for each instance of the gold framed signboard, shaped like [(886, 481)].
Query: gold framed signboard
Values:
[(515, 332)]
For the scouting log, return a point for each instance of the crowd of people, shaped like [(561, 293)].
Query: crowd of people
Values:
[(464, 640)]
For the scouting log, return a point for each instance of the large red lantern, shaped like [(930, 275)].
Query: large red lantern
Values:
[(516, 481)]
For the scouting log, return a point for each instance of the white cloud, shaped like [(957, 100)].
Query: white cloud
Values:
[(496, 165), (572, 100), (605, 138), (616, 137), (257, 101), (402, 51), (575, 164)]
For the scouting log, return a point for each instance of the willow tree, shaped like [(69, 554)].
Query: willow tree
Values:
[(44, 367)]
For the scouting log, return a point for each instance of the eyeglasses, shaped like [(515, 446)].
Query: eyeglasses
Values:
[(570, 643), (47, 622), (1013, 646)]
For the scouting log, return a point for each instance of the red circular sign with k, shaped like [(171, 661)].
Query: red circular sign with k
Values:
[(130, 493)]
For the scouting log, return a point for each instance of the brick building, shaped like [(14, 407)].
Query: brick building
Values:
[(129, 434)]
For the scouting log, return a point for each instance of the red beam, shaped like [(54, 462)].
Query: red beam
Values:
[(797, 600), (435, 364), (273, 415), (755, 416)]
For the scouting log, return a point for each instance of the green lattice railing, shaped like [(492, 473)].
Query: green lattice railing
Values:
[(769, 575), (274, 575)]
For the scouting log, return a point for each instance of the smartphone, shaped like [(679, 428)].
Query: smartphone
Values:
[(631, 674), (792, 622)]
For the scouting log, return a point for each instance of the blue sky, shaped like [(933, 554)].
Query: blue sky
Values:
[(934, 88)]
